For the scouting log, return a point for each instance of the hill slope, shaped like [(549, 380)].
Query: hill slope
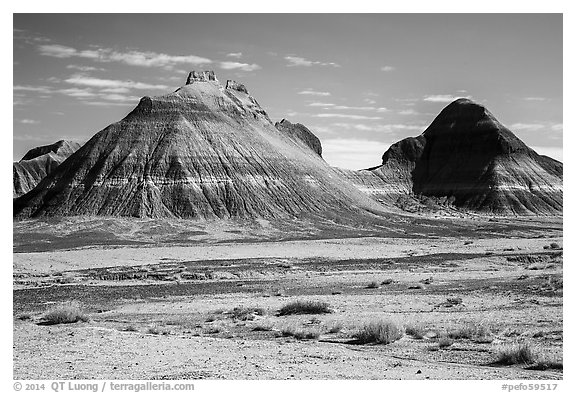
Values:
[(469, 159), (203, 151), (37, 163)]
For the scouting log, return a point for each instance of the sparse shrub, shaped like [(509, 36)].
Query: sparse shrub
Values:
[(305, 307), (415, 331), (387, 281), (246, 313), (379, 332), (373, 285), (335, 327), (153, 330), (445, 342), (300, 334), (417, 286), (477, 333), (210, 318), (516, 354), (24, 317), (67, 312), (454, 300), (554, 246), (213, 330), (130, 328), (546, 247)]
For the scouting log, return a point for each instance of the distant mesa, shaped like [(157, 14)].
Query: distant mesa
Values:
[(204, 151), (37, 163), (468, 159)]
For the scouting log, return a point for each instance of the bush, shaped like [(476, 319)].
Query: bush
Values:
[(130, 328), (67, 312), (305, 307), (516, 354), (336, 327), (373, 285), (554, 246), (153, 330), (387, 281), (474, 332), (379, 332), (415, 331), (246, 313), (445, 342)]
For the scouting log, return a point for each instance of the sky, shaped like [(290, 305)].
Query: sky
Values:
[(360, 82)]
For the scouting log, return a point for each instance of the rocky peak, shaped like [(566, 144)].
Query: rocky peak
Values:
[(201, 76), (233, 85), (61, 147)]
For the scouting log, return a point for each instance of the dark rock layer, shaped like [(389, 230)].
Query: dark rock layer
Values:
[(204, 151), (37, 163)]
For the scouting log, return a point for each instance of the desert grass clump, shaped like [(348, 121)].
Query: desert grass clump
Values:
[(24, 317), (373, 285), (263, 327), (416, 331), (130, 328), (516, 354), (246, 313), (300, 334), (554, 246), (379, 332), (335, 327), (67, 312), (153, 330), (445, 342), (305, 307), (387, 281), (477, 333)]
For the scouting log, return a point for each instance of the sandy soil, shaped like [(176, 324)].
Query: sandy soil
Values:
[(180, 325)]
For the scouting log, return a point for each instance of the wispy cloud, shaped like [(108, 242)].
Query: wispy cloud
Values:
[(347, 116), (558, 127), (407, 112), (327, 105), (236, 55), (83, 68), (133, 57), (83, 80), (369, 101), (444, 98), (39, 89), (321, 104), (387, 69), (536, 99), (29, 121), (353, 153), (296, 61), (381, 128), (310, 92), (232, 65)]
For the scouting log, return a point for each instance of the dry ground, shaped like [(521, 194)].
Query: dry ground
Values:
[(167, 312)]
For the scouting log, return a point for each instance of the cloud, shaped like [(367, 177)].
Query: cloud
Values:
[(353, 153), (236, 55), (321, 104), (83, 80), (360, 108), (29, 121), (407, 112), (536, 99), (381, 128), (232, 65), (445, 98), (83, 68), (387, 69), (311, 92), (133, 57), (295, 61), (39, 89), (347, 116), (369, 101), (558, 127)]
